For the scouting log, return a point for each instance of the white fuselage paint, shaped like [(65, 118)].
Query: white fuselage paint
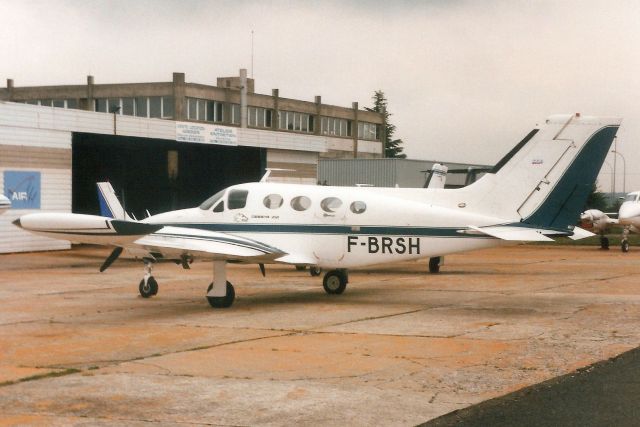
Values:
[(389, 229)]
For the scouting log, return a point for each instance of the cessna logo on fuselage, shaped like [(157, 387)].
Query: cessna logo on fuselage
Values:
[(385, 245)]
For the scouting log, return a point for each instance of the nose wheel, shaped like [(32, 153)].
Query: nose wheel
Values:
[(148, 286)]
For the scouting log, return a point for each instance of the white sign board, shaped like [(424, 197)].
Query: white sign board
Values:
[(206, 134)]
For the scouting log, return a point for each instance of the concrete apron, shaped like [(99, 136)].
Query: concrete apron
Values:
[(399, 347)]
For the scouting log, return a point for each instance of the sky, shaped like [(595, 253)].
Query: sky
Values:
[(465, 80)]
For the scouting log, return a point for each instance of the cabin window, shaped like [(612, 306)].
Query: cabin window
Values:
[(207, 204), (237, 199), (358, 207), (219, 207), (273, 201), (330, 204), (301, 203)]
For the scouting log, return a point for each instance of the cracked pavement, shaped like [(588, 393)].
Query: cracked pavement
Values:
[(399, 347)]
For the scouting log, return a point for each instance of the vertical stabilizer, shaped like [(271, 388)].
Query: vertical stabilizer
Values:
[(110, 206), (546, 179)]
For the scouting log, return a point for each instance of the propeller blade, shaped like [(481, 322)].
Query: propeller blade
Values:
[(262, 270), (111, 258)]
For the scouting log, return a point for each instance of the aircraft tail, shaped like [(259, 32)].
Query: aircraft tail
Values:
[(110, 206), (545, 180)]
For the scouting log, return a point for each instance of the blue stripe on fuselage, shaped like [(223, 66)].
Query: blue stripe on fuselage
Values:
[(326, 229)]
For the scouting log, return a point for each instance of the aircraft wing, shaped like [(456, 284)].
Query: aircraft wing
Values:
[(182, 241), (154, 241)]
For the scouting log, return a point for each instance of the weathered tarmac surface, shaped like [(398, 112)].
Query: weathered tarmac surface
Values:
[(399, 347)]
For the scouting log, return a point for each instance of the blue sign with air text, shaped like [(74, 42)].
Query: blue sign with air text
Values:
[(23, 189)]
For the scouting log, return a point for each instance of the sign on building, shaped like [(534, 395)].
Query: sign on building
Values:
[(23, 189), (206, 134)]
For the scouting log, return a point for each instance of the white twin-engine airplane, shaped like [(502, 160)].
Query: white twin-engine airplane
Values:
[(537, 190), (628, 218)]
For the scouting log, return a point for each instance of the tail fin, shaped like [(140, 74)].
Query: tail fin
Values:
[(546, 179), (437, 176), (109, 204)]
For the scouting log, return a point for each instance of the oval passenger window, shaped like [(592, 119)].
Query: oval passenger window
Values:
[(358, 207), (301, 203), (273, 201), (330, 204)]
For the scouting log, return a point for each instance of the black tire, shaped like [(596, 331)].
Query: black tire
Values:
[(624, 246), (301, 267), (334, 282), (314, 271), (434, 265), (225, 301), (604, 243), (149, 289)]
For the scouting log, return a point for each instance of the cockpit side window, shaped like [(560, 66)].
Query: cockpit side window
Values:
[(273, 201), (630, 197), (207, 204), (219, 207), (237, 199)]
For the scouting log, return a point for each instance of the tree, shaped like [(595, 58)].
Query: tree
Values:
[(392, 147), (597, 200)]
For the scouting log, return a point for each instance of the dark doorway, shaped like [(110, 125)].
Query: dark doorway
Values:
[(156, 174)]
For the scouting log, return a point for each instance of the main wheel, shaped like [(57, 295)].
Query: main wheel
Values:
[(301, 267), (624, 245), (148, 289), (604, 243), (314, 271), (222, 302), (434, 264), (334, 282)]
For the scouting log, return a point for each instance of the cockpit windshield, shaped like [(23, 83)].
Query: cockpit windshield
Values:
[(207, 204), (631, 197)]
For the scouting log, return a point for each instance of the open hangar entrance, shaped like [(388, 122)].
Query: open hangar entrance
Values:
[(157, 175)]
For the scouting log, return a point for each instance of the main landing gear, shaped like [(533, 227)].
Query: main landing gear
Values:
[(335, 281), (220, 293), (624, 242), (434, 264)]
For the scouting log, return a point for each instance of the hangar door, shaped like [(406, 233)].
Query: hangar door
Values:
[(156, 174)]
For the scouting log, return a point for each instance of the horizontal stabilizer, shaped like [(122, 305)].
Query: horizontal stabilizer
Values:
[(521, 234), (580, 233)]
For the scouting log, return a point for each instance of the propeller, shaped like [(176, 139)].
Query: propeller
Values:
[(262, 270), (111, 258)]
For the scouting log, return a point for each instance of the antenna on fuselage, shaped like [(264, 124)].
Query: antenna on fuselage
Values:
[(267, 173)]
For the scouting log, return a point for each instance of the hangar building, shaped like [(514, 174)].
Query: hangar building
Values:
[(162, 145)]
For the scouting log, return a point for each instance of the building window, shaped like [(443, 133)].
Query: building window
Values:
[(235, 114), (155, 107), (167, 107), (300, 122), (259, 117), (141, 106), (204, 110), (335, 127), (127, 106), (101, 105), (368, 131)]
